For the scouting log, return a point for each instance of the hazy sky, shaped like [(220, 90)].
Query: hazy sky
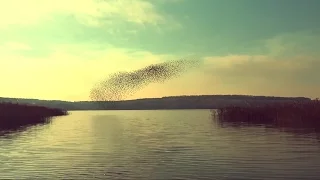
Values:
[(59, 49)]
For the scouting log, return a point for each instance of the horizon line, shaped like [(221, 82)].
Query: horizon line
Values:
[(160, 97)]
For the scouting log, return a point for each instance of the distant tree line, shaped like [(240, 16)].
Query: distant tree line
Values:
[(171, 102)]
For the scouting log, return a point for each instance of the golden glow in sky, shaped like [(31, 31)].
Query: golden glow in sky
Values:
[(60, 49)]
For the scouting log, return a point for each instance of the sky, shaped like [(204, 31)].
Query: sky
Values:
[(60, 49)]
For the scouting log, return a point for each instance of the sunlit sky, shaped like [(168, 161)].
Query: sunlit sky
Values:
[(60, 49)]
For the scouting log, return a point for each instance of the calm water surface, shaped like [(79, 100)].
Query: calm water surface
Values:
[(151, 145)]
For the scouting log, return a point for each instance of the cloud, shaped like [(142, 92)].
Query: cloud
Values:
[(294, 44), (89, 12), (295, 75), (289, 67), (169, 1), (69, 71), (11, 46)]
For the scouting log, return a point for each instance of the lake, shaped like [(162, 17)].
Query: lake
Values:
[(149, 145)]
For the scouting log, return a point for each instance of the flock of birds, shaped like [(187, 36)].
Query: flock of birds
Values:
[(121, 85)]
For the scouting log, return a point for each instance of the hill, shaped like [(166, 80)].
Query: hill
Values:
[(172, 102)]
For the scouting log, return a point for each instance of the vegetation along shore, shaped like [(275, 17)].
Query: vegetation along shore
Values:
[(295, 114), (14, 115)]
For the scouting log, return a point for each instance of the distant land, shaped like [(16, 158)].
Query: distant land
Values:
[(171, 102)]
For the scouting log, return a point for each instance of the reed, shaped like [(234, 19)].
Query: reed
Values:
[(17, 115), (304, 114)]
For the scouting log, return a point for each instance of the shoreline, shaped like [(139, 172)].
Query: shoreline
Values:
[(290, 114), (18, 115)]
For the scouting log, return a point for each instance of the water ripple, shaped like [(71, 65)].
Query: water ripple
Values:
[(147, 145)]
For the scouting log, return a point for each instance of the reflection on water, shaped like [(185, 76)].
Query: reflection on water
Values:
[(11, 132), (157, 145), (306, 132)]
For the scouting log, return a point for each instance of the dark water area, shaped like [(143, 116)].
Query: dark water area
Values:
[(13, 127), (164, 144)]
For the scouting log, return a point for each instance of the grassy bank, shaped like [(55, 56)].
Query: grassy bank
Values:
[(290, 114), (17, 115)]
